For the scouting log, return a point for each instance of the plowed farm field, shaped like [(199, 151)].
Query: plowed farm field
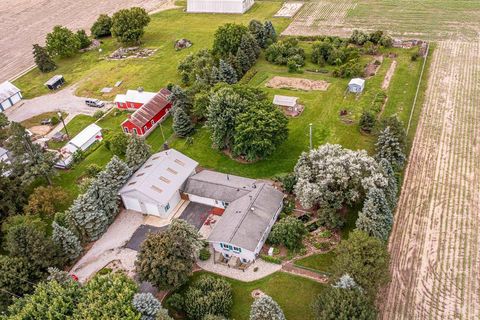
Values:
[(436, 238), (426, 19)]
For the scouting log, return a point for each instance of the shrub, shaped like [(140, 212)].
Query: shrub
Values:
[(92, 170), (367, 121), (117, 143), (288, 232), (45, 201), (204, 254), (98, 114), (101, 27), (83, 39), (62, 42), (147, 305), (288, 182), (208, 295), (281, 52), (288, 206), (330, 218), (265, 308), (128, 24), (176, 301), (271, 259), (54, 120), (42, 59)]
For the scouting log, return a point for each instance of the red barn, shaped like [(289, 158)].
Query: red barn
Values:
[(143, 120), (133, 99)]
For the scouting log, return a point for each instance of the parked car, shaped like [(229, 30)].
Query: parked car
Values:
[(94, 103), (46, 121)]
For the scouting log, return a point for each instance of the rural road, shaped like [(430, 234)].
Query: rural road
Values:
[(26, 22)]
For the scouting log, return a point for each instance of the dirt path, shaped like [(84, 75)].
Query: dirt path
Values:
[(25, 22), (389, 75), (435, 242), (289, 267)]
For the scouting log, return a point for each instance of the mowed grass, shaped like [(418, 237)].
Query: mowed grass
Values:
[(280, 286), (321, 262), (36, 120), (322, 110), (77, 124), (151, 73)]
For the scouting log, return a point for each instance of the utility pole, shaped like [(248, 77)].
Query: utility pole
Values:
[(64, 126), (311, 141)]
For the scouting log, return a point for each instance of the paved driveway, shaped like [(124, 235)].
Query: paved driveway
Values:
[(64, 100)]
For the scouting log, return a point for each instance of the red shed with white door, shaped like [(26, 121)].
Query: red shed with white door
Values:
[(133, 99), (144, 119)]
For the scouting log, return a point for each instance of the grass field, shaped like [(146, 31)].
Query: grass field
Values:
[(280, 287), (322, 110), (426, 19), (151, 73), (321, 262)]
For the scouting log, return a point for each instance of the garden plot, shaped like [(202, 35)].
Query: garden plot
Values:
[(297, 84), (435, 241), (288, 9)]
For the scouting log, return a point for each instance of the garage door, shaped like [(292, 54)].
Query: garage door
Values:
[(152, 208), (132, 204), (15, 98), (6, 104)]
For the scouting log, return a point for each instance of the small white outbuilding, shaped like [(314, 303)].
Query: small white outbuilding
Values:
[(9, 95), (219, 6), (356, 85)]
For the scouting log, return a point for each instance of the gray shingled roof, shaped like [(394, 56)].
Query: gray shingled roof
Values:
[(218, 186), (246, 219)]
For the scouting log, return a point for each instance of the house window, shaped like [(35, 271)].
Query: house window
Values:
[(167, 207), (226, 246), (135, 130), (126, 130), (237, 249)]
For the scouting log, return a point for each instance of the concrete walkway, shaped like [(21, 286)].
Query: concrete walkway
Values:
[(263, 269), (110, 247)]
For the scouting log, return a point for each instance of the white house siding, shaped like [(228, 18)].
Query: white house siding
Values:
[(132, 203), (206, 201), (152, 208), (173, 202), (247, 255), (267, 232), (219, 6)]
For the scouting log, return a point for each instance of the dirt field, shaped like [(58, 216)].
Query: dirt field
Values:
[(297, 84), (436, 238), (426, 19), (25, 22)]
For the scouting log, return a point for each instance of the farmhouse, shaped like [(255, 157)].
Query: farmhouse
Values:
[(154, 189), (55, 82), (144, 119), (356, 85), (81, 141), (251, 209), (9, 95), (219, 6), (133, 99)]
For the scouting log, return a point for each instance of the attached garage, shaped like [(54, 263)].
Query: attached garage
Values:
[(9, 95), (132, 203)]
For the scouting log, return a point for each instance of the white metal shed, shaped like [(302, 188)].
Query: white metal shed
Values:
[(285, 101), (219, 6), (356, 85), (9, 95)]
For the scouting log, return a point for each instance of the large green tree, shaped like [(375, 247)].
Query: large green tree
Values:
[(62, 42), (46, 201), (389, 147), (166, 259), (67, 241), (182, 124), (289, 232), (101, 27), (364, 258), (376, 217), (128, 24), (227, 39), (259, 131), (42, 59), (138, 151), (343, 304)]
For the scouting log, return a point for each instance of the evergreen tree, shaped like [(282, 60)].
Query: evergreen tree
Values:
[(180, 99), (182, 124), (250, 47), (270, 32), (42, 59), (233, 61), (346, 282), (215, 75), (391, 190), (376, 217), (138, 151), (258, 31), (227, 73), (388, 147), (67, 241), (88, 219), (265, 308), (147, 305), (243, 61)]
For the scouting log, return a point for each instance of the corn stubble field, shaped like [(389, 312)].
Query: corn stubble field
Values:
[(435, 242)]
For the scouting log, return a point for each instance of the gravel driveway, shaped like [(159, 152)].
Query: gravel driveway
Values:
[(64, 100)]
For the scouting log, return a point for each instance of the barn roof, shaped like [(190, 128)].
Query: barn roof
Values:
[(7, 89), (80, 139), (357, 81), (146, 112), (218, 186), (246, 219), (285, 101), (160, 176), (135, 96)]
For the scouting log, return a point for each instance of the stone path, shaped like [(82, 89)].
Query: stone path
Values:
[(289, 267)]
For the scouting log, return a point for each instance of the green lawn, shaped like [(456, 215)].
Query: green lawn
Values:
[(322, 109), (280, 287), (154, 72), (36, 120), (321, 262), (77, 124)]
